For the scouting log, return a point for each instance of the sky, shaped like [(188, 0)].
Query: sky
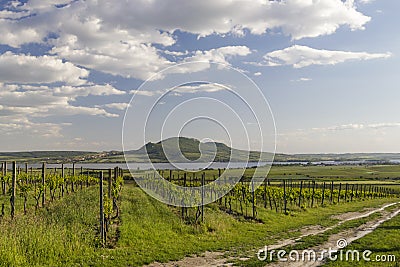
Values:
[(327, 70)]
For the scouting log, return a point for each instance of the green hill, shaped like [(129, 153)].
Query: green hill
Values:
[(190, 148)]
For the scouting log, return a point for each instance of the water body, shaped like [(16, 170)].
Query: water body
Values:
[(148, 166), (196, 166)]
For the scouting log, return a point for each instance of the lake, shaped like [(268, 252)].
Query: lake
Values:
[(196, 166)]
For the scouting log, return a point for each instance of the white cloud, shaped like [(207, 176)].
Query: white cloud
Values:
[(302, 56), (206, 87), (6, 14), (85, 32), (19, 68), (184, 89), (358, 126), (302, 79), (366, 1), (26, 127), (98, 90), (145, 92), (27, 101), (220, 55), (298, 19), (119, 106), (14, 33)]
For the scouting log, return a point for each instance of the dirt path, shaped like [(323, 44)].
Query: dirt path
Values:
[(317, 229), (211, 259), (206, 260), (345, 237)]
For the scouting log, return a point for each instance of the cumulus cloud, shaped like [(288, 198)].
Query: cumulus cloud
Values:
[(44, 101), (302, 56), (96, 90), (119, 106), (20, 68), (184, 89), (198, 88), (85, 32), (27, 127), (118, 38)]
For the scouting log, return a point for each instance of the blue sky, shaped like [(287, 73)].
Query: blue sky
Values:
[(329, 70)]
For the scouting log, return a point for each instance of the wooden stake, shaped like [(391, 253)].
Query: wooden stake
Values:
[(102, 228), (13, 189), (44, 183)]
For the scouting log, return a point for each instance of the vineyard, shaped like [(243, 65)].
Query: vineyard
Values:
[(245, 199), (93, 217), (25, 189)]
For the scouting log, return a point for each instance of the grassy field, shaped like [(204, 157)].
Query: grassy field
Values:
[(388, 173), (65, 233), (383, 243)]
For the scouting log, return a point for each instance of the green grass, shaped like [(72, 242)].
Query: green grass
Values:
[(383, 241), (371, 173), (65, 232), (151, 231), (62, 234)]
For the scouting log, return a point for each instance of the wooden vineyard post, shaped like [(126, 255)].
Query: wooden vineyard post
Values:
[(309, 190), (340, 188), (331, 199), (345, 195), (183, 198), (115, 174), (87, 177), (109, 194), (313, 193), (44, 183), (2, 173), (13, 189), (253, 199), (265, 194), (202, 195), (356, 190), (284, 196), (102, 228), (301, 188), (73, 177), (323, 194), (109, 183), (365, 188), (80, 180), (63, 179), (352, 192), (4, 184), (26, 167)]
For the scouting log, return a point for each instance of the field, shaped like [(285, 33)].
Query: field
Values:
[(66, 231)]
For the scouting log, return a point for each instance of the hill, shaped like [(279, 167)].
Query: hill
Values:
[(190, 149)]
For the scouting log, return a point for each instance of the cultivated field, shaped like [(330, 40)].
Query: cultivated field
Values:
[(296, 208)]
